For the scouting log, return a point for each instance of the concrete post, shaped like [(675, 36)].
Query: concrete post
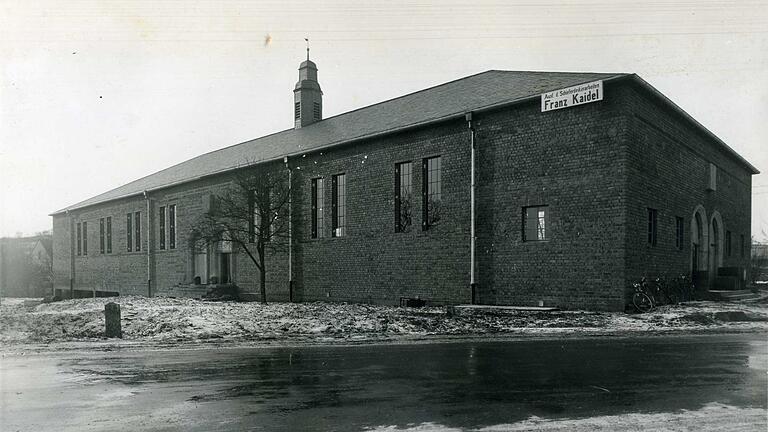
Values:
[(112, 319)]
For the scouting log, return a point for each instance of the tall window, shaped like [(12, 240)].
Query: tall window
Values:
[(403, 196), (727, 243), (109, 234), (339, 205), (535, 223), (679, 232), (137, 230), (652, 226), (743, 244), (161, 228), (79, 238), (85, 238), (316, 111), (172, 226), (318, 208), (432, 191), (129, 231), (102, 237), (297, 110)]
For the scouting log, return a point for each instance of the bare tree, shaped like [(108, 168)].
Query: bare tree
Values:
[(251, 214)]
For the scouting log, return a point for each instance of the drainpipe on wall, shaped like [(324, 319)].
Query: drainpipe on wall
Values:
[(71, 255), (149, 245), (290, 231), (472, 236)]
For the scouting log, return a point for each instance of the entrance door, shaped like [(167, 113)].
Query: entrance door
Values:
[(225, 263), (714, 249)]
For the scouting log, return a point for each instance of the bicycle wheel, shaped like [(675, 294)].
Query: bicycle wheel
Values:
[(642, 302)]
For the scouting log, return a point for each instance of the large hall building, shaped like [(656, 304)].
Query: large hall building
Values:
[(521, 188)]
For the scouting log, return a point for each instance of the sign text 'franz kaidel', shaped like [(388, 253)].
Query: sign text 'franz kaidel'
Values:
[(572, 96)]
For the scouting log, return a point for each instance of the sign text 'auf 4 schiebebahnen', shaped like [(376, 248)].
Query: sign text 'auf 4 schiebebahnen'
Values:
[(572, 96)]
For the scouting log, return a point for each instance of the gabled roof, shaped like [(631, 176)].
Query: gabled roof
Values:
[(472, 93)]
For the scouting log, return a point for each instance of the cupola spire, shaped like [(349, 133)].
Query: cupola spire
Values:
[(307, 96)]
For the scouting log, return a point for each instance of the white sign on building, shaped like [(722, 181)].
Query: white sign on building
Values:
[(572, 96)]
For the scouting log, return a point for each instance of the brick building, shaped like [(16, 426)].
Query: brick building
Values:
[(570, 205)]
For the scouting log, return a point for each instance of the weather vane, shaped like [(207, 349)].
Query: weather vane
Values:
[(307, 41)]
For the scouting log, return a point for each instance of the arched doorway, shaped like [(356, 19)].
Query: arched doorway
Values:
[(716, 244), (699, 240)]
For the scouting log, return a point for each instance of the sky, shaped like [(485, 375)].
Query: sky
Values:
[(95, 94)]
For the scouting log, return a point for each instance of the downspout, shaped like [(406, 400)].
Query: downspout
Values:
[(290, 231), (71, 255), (472, 235), (149, 244)]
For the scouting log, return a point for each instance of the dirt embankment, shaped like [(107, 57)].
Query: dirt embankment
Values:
[(188, 320)]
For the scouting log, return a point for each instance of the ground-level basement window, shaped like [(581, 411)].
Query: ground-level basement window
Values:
[(535, 223), (652, 226)]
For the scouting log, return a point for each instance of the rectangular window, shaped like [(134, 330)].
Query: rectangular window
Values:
[(254, 220), (339, 205), (727, 243), (535, 223), (403, 196), (129, 231), (85, 238), (79, 238), (679, 232), (109, 234), (652, 226), (161, 230), (137, 230), (102, 237), (297, 110), (743, 244), (318, 204), (172, 226), (432, 191)]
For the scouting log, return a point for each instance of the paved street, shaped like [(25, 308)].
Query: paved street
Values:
[(461, 385)]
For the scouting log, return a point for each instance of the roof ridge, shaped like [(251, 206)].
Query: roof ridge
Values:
[(498, 86)]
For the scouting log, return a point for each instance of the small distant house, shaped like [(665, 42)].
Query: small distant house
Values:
[(26, 266)]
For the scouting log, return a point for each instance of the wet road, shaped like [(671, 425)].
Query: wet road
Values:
[(465, 385)]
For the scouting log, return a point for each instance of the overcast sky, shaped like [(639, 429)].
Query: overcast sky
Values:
[(94, 94)]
